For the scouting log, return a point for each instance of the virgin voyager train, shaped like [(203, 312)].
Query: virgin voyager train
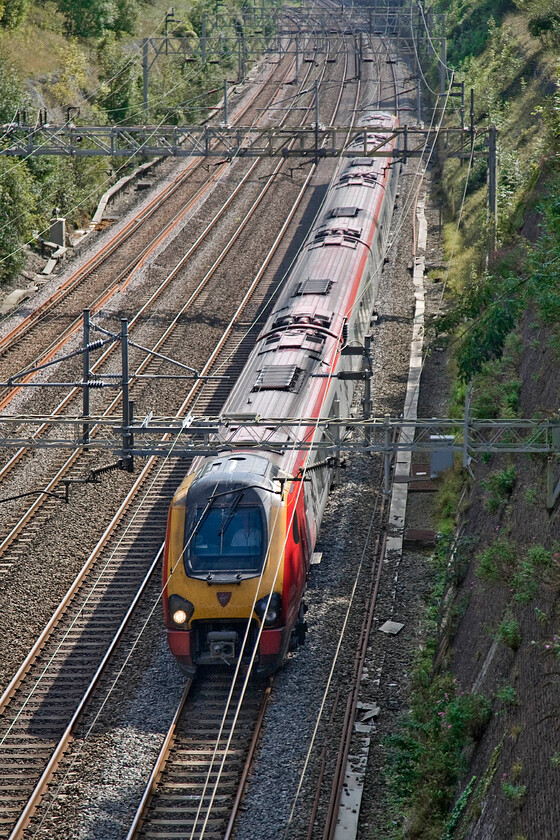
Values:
[(242, 526)]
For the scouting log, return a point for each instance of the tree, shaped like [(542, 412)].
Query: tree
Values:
[(118, 75), (93, 18), (12, 94), (17, 203), (12, 13)]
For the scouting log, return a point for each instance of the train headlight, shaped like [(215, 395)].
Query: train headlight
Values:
[(180, 610), (273, 611)]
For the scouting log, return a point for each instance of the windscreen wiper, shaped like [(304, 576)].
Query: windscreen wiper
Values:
[(222, 529)]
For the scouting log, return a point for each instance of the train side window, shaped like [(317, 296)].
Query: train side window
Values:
[(295, 529)]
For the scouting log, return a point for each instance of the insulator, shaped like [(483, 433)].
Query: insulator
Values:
[(95, 345), (95, 383)]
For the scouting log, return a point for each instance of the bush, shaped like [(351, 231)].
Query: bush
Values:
[(17, 205), (516, 793), (93, 18), (13, 12), (507, 695), (427, 756), (508, 633), (498, 561), (499, 486), (523, 583)]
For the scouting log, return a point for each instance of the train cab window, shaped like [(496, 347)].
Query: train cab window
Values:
[(295, 529), (227, 541)]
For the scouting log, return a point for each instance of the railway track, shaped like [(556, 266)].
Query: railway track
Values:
[(9, 533), (111, 267), (131, 548), (195, 785), (67, 657)]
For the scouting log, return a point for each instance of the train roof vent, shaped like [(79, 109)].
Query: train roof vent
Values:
[(365, 161), (313, 286), (277, 378), (357, 178), (349, 212)]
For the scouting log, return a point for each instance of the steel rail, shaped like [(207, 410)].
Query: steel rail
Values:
[(140, 816), (18, 679), (66, 737), (102, 359), (40, 642), (76, 279), (118, 239), (64, 403)]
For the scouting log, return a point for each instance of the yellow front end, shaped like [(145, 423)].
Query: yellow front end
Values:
[(216, 627)]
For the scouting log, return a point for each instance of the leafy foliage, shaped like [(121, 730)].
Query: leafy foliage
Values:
[(12, 13), (543, 19), (502, 562), (17, 202), (498, 561), (119, 94), (508, 632), (93, 18), (499, 486), (468, 29), (12, 93), (427, 756)]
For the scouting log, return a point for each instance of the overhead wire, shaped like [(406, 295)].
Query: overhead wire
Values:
[(137, 639), (299, 491), (330, 374), (335, 656), (291, 447), (95, 190)]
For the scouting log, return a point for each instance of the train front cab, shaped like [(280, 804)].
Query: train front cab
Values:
[(229, 547)]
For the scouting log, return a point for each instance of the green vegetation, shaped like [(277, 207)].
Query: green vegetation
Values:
[(82, 59), (427, 757), (507, 695), (508, 632), (499, 486), (498, 561), (448, 501), (516, 793), (503, 562)]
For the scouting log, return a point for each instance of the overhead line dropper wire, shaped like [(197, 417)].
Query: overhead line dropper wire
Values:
[(156, 602), (222, 764), (93, 192)]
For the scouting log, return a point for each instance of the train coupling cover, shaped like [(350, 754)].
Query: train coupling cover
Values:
[(222, 644)]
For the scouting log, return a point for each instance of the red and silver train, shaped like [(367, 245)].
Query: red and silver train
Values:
[(242, 526)]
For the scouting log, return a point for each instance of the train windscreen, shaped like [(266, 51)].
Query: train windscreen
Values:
[(227, 540)]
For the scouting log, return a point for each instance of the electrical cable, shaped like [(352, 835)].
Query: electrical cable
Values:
[(156, 602), (69, 211), (254, 651)]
